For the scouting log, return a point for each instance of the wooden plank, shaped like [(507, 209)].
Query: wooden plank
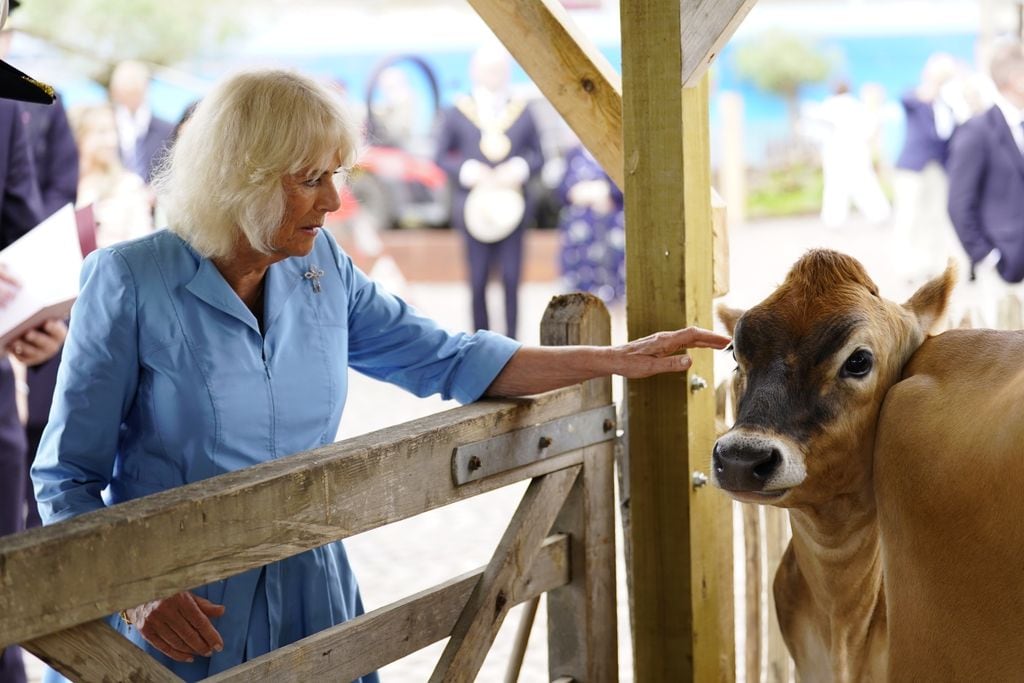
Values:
[(752, 591), (706, 27), (366, 643), (96, 652), (676, 539), (720, 246), (567, 67), (580, 83), (710, 512), (487, 606), (776, 539), (582, 627), (122, 556)]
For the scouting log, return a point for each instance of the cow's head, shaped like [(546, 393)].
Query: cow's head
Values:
[(814, 361)]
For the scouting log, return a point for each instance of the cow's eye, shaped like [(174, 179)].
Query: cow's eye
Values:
[(858, 364)]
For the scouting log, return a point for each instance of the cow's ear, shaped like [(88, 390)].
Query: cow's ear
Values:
[(729, 316), (928, 304)]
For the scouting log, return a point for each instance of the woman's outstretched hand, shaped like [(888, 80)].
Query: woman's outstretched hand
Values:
[(179, 626), (534, 369)]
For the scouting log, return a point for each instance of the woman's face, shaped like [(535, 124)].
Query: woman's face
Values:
[(309, 197)]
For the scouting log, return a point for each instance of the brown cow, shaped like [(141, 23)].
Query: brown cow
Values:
[(815, 361)]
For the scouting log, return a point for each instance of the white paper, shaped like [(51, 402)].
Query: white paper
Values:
[(47, 262)]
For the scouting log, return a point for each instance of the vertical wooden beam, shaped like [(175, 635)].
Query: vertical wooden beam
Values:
[(582, 638), (677, 539)]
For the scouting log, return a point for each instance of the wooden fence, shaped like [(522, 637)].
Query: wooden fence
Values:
[(58, 583)]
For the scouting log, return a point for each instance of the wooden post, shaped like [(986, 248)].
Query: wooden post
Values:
[(678, 540), (752, 591), (776, 535), (582, 638)]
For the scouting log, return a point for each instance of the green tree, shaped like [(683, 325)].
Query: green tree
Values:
[(107, 31), (781, 63)]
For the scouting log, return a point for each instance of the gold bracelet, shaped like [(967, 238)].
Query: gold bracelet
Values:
[(124, 617)]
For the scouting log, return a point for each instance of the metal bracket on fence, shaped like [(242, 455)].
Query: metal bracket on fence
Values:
[(482, 459)]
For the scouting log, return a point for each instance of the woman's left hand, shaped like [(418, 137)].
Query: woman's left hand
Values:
[(533, 369), (663, 352)]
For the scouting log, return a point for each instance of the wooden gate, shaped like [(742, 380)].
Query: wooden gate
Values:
[(60, 582)]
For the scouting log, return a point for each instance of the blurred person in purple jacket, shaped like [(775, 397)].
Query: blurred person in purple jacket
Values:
[(923, 234)]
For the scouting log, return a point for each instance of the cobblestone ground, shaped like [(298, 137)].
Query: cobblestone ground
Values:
[(403, 558)]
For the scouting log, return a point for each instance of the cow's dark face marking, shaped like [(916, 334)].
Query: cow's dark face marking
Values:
[(813, 363)]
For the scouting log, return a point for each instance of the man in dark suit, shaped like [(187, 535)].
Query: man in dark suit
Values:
[(20, 211), (143, 137), (489, 145), (986, 186), (55, 156)]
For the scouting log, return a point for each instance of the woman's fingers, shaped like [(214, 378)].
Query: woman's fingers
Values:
[(210, 609), (201, 627), (699, 338), (178, 654)]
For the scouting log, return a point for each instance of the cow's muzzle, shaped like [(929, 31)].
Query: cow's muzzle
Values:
[(749, 462)]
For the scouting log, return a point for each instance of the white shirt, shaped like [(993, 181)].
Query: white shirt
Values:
[(130, 127)]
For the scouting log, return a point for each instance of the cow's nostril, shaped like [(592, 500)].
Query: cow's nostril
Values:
[(767, 467), (716, 459)]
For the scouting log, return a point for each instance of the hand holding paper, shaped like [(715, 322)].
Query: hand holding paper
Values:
[(46, 263)]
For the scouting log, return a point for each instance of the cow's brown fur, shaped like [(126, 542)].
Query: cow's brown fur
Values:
[(829, 587), (948, 472)]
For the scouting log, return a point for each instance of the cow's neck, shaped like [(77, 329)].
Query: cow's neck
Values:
[(837, 550)]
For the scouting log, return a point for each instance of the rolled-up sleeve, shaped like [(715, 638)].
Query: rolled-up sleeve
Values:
[(96, 385), (390, 341)]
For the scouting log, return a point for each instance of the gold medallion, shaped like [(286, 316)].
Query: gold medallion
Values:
[(495, 145)]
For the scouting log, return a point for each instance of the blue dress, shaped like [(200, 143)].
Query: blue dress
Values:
[(166, 380)]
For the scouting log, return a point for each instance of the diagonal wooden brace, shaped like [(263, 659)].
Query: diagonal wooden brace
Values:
[(95, 652), (491, 599)]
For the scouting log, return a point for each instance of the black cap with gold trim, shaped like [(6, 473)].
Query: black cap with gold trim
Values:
[(15, 85)]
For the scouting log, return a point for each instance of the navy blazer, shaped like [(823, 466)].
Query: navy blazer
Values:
[(459, 140), (986, 192), (20, 211), (922, 143), (54, 153), (20, 204)]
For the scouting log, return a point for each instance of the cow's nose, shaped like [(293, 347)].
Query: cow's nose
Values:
[(745, 467)]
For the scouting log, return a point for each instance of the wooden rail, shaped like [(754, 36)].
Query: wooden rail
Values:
[(60, 582)]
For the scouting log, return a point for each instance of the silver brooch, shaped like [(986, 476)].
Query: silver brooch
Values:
[(313, 275)]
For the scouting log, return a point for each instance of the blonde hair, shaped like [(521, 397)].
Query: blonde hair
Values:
[(224, 176)]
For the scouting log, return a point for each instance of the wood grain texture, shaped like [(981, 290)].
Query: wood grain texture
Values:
[(95, 653), (490, 601), (677, 530), (122, 556), (706, 27), (368, 642), (582, 627)]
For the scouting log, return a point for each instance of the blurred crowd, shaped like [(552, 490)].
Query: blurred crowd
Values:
[(955, 192)]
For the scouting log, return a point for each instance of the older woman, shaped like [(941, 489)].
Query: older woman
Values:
[(225, 341)]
